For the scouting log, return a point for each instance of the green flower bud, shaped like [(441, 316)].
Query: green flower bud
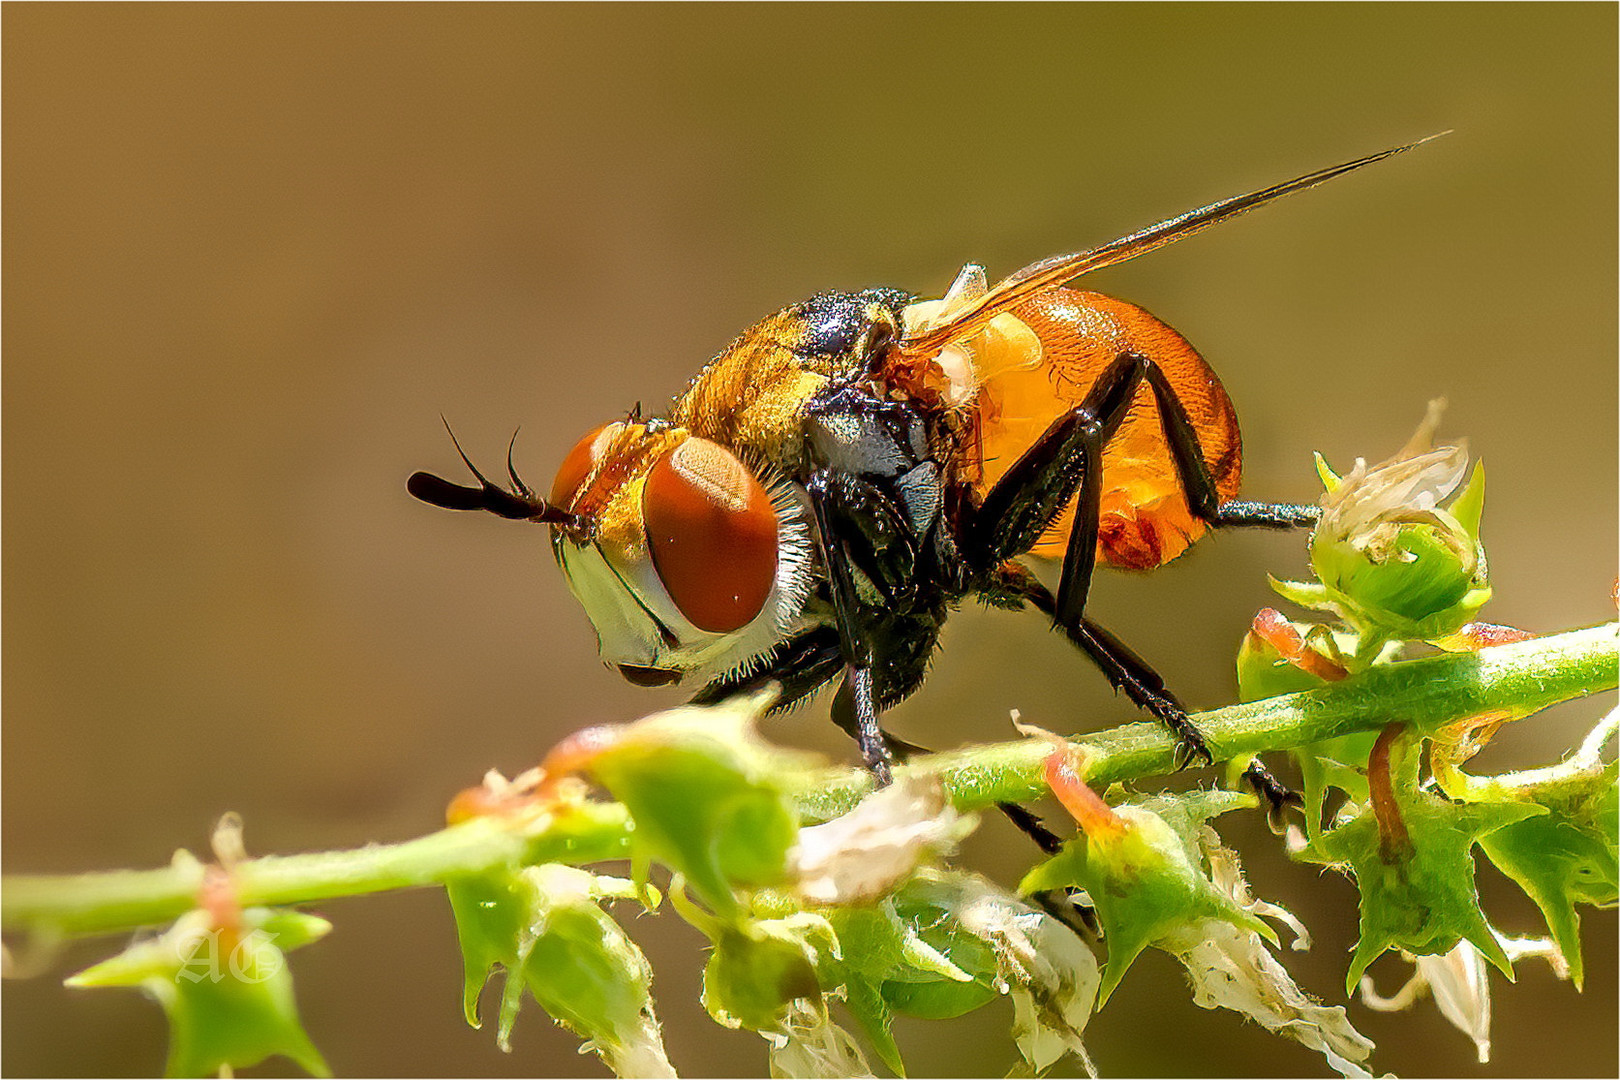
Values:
[(1159, 876), (758, 967), (544, 925), (1389, 556), (709, 797)]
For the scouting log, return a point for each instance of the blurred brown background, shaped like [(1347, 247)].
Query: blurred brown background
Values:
[(252, 252)]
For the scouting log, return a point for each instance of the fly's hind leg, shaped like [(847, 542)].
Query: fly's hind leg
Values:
[(1130, 673), (1202, 497), (1204, 501), (1064, 463), (1125, 671)]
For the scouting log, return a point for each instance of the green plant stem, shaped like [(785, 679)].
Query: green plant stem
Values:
[(1518, 678)]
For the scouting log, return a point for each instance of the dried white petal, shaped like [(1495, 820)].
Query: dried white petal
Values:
[(1518, 948), (1231, 968), (637, 1051), (808, 1044), (1460, 983), (1048, 972), (1368, 504), (1227, 876), (866, 852)]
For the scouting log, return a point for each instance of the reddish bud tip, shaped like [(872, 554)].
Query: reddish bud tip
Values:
[(1083, 804)]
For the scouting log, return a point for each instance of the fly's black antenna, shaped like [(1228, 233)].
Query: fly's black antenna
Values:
[(519, 504), (517, 481)]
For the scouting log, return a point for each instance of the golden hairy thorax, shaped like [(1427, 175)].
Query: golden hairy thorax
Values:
[(751, 397)]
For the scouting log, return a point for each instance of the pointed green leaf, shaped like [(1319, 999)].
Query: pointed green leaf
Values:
[(544, 926), (1332, 763), (1330, 479), (1308, 594), (1469, 504), (876, 1019)]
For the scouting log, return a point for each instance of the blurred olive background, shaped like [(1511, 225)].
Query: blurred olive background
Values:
[(253, 252)]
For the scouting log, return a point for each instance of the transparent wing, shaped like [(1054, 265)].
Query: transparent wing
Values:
[(1050, 273)]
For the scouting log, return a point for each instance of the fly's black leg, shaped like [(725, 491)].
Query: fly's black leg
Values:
[(854, 708), (855, 711), (1202, 498), (1130, 673), (844, 714), (875, 495), (1030, 824), (1127, 672), (861, 533), (1061, 904), (1067, 462), (1066, 458), (1278, 797)]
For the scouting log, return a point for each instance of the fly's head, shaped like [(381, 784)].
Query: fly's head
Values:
[(689, 562)]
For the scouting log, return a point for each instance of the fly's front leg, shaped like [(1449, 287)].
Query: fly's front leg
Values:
[(870, 553)]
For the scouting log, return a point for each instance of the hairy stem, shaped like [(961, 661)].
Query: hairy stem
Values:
[(1521, 677)]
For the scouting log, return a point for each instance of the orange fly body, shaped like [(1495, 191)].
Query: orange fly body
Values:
[(846, 471)]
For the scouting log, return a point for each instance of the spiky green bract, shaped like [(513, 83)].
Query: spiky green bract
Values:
[(1416, 878), (545, 927), (226, 991), (709, 798), (1566, 856), (1144, 877)]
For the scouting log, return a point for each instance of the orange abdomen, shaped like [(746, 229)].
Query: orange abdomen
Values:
[(1145, 518)]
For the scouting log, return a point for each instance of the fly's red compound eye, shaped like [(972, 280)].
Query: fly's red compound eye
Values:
[(712, 530), (580, 461)]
